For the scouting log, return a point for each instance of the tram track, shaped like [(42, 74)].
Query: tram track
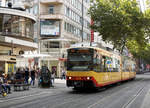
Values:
[(111, 95), (67, 99), (127, 105), (43, 100), (87, 99), (74, 99)]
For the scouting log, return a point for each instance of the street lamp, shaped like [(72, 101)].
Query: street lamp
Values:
[(82, 20)]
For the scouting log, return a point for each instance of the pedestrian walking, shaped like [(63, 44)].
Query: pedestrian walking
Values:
[(26, 75), (38, 73), (63, 76), (48, 72), (53, 76), (32, 77)]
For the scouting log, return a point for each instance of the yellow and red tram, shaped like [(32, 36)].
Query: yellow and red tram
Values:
[(96, 67)]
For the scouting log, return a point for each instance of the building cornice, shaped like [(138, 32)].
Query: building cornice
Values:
[(17, 13)]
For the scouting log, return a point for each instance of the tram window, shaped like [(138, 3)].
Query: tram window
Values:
[(108, 64), (118, 62), (103, 64), (118, 67), (97, 63)]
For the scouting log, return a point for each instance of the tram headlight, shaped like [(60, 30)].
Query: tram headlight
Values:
[(88, 78), (69, 78)]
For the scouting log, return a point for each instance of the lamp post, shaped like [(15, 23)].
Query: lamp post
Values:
[(82, 19), (38, 30)]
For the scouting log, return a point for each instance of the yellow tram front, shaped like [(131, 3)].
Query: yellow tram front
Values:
[(80, 67)]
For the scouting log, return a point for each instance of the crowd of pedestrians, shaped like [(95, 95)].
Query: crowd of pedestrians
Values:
[(28, 76)]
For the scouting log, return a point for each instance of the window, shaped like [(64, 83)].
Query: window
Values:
[(29, 28), (7, 24), (68, 11), (108, 64), (65, 26), (45, 44), (65, 10), (35, 10), (15, 25), (97, 62), (1, 22), (69, 27), (51, 9), (54, 45), (0, 3), (80, 20)]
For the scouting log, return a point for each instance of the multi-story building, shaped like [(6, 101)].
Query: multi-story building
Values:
[(16, 35), (61, 26)]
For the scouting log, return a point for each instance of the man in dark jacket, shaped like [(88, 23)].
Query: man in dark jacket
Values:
[(26, 75), (32, 76)]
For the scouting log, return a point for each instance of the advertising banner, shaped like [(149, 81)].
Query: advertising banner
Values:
[(50, 28)]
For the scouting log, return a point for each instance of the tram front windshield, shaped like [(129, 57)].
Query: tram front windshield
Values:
[(79, 61)]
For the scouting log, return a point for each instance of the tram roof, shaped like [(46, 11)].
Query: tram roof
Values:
[(101, 50), (104, 50)]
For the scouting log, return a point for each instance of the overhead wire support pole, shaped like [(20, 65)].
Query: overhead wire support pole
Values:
[(82, 19), (38, 26)]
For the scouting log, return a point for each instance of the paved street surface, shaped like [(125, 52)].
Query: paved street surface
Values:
[(131, 94)]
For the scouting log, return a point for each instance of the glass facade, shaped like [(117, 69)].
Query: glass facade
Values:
[(12, 25)]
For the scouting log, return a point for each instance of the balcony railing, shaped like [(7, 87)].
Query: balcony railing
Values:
[(51, 1), (46, 15)]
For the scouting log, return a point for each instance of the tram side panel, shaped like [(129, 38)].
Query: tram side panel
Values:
[(128, 67)]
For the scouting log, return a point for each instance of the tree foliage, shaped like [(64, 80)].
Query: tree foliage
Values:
[(121, 22)]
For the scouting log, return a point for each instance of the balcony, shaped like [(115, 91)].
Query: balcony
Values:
[(51, 16), (51, 1)]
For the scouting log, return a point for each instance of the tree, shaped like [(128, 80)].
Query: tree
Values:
[(119, 22)]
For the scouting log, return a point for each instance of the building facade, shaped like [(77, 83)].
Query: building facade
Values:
[(61, 26), (16, 35)]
